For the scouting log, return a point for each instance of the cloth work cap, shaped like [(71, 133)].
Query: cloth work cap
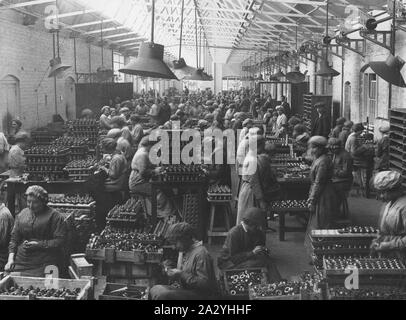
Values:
[(320, 105), (280, 108), (348, 125), (180, 231), (384, 129), (114, 134), (318, 141), (387, 180), (125, 109), (294, 121), (38, 192), (300, 128), (109, 144), (358, 127), (334, 142), (340, 121), (247, 122), (103, 110), (255, 216)]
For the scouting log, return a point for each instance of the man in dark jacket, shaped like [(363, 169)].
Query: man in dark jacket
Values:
[(245, 245), (195, 272), (321, 126)]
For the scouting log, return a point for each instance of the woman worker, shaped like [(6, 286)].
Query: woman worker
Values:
[(195, 274), (117, 177), (342, 178), (391, 241), (322, 201), (6, 226), (142, 172), (37, 238), (259, 182), (104, 118)]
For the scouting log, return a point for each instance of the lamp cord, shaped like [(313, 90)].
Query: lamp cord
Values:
[(153, 21), (181, 29)]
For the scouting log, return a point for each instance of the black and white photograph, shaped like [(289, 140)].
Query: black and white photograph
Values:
[(196, 158)]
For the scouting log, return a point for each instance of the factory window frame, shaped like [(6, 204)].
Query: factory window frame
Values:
[(372, 88), (118, 63)]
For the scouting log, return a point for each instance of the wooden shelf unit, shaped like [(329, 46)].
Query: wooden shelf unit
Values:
[(398, 141)]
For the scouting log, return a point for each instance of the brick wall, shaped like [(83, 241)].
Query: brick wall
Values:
[(25, 52)]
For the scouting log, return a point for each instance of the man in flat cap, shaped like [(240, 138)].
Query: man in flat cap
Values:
[(321, 126)]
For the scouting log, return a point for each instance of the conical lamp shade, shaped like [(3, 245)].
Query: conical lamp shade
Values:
[(279, 74), (181, 69), (389, 70), (207, 76), (327, 71), (104, 74), (296, 76), (149, 63), (198, 75), (57, 67)]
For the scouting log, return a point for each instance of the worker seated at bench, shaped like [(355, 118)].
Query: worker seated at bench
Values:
[(245, 248), (196, 275)]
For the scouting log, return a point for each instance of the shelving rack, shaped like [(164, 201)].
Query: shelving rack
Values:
[(398, 141)]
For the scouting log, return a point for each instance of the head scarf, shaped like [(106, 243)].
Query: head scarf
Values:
[(318, 141), (387, 180), (38, 192), (384, 129)]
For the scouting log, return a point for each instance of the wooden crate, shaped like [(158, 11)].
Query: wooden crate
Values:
[(43, 283), (252, 296), (154, 257), (110, 287), (95, 254), (130, 256)]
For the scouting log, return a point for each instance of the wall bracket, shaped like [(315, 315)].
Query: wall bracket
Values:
[(355, 45), (381, 38)]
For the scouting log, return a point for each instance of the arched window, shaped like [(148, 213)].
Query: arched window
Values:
[(9, 101)]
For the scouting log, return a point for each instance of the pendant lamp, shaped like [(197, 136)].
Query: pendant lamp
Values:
[(198, 74), (180, 68), (149, 62), (103, 73), (296, 76), (325, 69), (57, 67), (279, 74), (390, 70)]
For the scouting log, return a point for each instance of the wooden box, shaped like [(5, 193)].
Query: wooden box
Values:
[(80, 265), (111, 287), (43, 283), (154, 257), (130, 256), (95, 254)]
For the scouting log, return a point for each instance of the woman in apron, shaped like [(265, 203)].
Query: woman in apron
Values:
[(391, 241), (322, 201)]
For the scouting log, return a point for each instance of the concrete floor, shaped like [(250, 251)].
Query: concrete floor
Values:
[(290, 256)]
